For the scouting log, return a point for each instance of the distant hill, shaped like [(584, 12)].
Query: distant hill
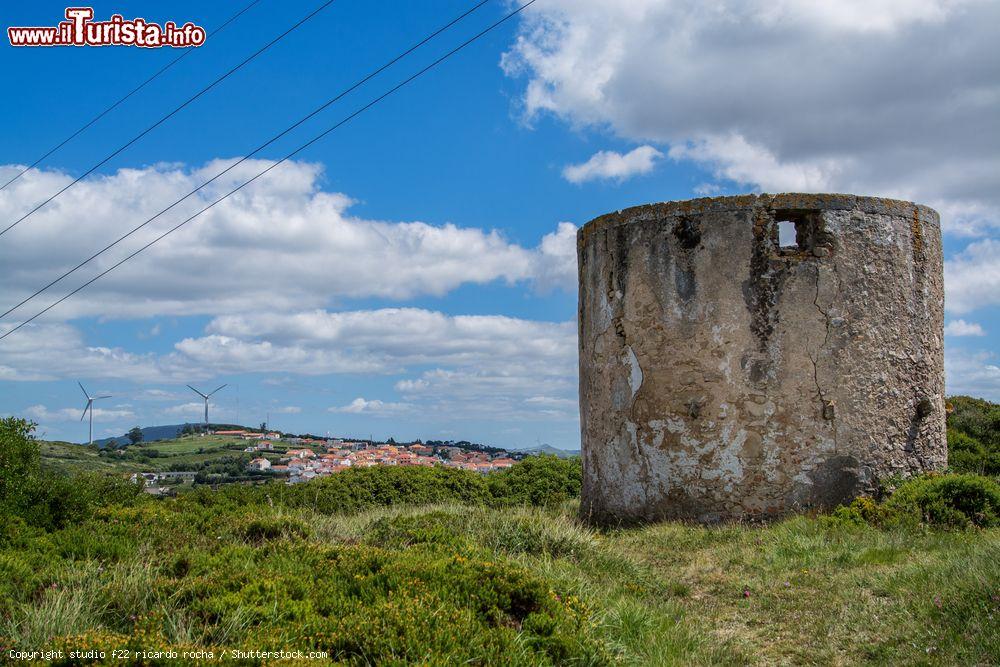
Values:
[(549, 449), (149, 434), (168, 432)]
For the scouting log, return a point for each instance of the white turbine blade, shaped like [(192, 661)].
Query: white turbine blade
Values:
[(83, 390), (217, 389), (196, 391), (100, 397), (88, 406)]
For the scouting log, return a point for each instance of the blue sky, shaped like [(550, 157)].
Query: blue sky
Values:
[(410, 275)]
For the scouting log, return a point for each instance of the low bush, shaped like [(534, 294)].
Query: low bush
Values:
[(257, 530), (967, 454), (417, 596), (862, 511), (974, 436), (360, 488), (949, 501), (19, 463), (48, 499), (442, 530), (537, 481)]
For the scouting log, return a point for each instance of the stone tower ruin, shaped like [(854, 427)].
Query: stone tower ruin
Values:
[(754, 355)]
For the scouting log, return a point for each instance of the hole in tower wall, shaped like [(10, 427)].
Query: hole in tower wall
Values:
[(801, 231), (786, 234)]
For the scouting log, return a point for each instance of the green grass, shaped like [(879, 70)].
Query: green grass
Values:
[(194, 445), (71, 458), (187, 452), (503, 586), (440, 566), (801, 592)]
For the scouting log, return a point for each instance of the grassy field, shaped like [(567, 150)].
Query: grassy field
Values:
[(70, 457), (508, 586), (186, 452), (187, 445), (439, 566)]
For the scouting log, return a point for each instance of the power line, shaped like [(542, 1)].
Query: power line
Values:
[(295, 152), (246, 157), (128, 95), (149, 129)]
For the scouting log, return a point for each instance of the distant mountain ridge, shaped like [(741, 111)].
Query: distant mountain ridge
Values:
[(171, 431), (149, 434), (548, 449)]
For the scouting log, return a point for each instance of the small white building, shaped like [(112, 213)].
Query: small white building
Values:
[(259, 463), (301, 453)]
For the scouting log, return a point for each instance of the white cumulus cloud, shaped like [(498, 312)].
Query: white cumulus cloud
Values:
[(43, 413), (459, 366), (972, 373), (882, 97), (370, 407), (963, 328), (282, 243), (972, 278), (613, 166)]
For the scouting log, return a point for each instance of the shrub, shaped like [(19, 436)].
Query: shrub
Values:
[(434, 529), (357, 489), (19, 460), (537, 480), (19, 579), (967, 454), (262, 529), (974, 436), (55, 500), (47, 499), (860, 512), (948, 500)]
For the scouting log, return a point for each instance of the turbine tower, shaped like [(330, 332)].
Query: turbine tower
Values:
[(205, 396), (90, 407)]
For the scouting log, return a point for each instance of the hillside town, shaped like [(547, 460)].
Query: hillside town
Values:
[(306, 463), (300, 459)]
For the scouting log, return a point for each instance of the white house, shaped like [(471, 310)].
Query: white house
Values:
[(259, 463)]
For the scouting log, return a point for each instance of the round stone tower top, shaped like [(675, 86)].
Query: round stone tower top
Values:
[(783, 201)]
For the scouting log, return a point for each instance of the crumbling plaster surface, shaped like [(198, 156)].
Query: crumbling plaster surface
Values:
[(722, 376)]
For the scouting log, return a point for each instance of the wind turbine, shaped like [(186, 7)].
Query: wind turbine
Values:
[(90, 406), (205, 396)]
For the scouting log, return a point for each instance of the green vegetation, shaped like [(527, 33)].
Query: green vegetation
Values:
[(538, 481), (432, 565), (45, 499), (951, 501), (69, 458), (217, 458), (974, 436)]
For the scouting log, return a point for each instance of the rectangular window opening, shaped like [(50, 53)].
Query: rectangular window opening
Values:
[(799, 231), (787, 234)]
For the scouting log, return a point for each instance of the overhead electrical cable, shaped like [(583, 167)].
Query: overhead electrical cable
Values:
[(191, 99), (132, 92), (287, 157), (246, 157)]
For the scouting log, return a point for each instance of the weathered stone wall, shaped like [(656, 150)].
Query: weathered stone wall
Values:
[(725, 376)]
